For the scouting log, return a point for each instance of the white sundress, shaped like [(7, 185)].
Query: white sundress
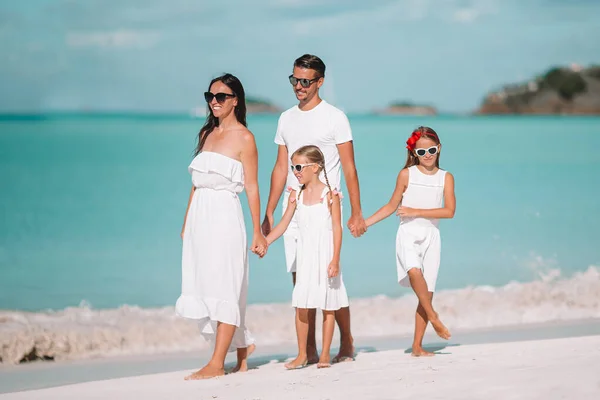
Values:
[(418, 242), (314, 289), (214, 256)]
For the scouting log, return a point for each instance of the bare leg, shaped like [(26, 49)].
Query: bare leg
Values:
[(346, 353), (216, 365), (311, 344), (301, 333), (421, 321), (328, 328), (420, 288), (242, 358)]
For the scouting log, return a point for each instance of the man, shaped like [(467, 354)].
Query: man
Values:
[(314, 121)]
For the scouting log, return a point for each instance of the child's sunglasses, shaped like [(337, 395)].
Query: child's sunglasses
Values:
[(221, 97), (303, 82), (421, 152), (300, 167)]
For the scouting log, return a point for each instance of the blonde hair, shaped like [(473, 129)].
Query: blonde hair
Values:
[(314, 155)]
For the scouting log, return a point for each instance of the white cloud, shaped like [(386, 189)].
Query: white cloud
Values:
[(115, 39), (394, 11), (465, 15), (402, 10)]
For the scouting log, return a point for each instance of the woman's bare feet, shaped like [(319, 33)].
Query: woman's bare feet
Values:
[(207, 372), (242, 359), (440, 328), (418, 351), (299, 362)]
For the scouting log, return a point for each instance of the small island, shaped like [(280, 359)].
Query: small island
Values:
[(572, 90), (407, 108), (256, 105)]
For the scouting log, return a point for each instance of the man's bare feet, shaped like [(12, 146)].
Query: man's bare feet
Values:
[(299, 362), (440, 329), (207, 372), (313, 355), (346, 352), (242, 361), (421, 352)]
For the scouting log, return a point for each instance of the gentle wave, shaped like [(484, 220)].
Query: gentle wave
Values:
[(83, 332)]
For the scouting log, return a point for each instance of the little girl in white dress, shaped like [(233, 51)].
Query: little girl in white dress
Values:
[(319, 281), (425, 194)]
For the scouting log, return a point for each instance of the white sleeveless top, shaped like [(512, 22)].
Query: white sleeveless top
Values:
[(423, 191)]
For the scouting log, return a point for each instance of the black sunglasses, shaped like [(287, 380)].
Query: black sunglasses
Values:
[(221, 97), (303, 81)]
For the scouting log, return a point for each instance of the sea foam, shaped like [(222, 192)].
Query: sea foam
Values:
[(84, 332)]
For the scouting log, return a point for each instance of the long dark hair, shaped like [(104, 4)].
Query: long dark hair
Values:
[(212, 122), (422, 131)]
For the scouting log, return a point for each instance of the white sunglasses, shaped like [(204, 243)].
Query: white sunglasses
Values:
[(300, 167), (432, 150)]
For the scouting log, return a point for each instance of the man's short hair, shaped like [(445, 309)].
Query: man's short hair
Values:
[(309, 61)]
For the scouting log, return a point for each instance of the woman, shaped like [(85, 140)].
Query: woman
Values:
[(215, 257)]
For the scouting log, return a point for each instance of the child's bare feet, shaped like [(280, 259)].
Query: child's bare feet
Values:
[(418, 351), (440, 328), (299, 362), (324, 361), (207, 372), (242, 362), (345, 354)]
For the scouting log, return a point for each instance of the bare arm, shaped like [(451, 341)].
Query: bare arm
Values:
[(187, 209), (278, 178), (281, 227), (392, 205), (346, 151), (445, 212), (249, 158), (336, 219)]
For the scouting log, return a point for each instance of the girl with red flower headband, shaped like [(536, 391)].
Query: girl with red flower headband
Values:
[(424, 194)]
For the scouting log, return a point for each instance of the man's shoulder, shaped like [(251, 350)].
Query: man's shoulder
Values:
[(333, 111)]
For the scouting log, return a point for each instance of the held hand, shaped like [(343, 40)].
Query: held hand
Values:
[(267, 225), (259, 245), (357, 225), (333, 270), (407, 212)]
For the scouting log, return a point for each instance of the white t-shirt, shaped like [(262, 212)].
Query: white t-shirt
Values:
[(325, 126)]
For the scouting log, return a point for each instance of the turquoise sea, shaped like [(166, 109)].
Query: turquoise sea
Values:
[(91, 209)]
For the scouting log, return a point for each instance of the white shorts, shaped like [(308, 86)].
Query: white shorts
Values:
[(290, 236), (418, 247)]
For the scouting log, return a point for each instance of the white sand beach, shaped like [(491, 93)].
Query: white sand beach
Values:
[(564, 368)]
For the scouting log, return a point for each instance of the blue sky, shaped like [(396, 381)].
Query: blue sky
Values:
[(157, 55)]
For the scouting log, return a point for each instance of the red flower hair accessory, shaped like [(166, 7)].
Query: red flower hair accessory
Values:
[(412, 140)]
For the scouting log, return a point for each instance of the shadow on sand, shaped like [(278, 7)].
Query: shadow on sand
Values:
[(435, 348)]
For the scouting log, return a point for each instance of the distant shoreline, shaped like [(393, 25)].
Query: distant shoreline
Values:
[(53, 115)]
